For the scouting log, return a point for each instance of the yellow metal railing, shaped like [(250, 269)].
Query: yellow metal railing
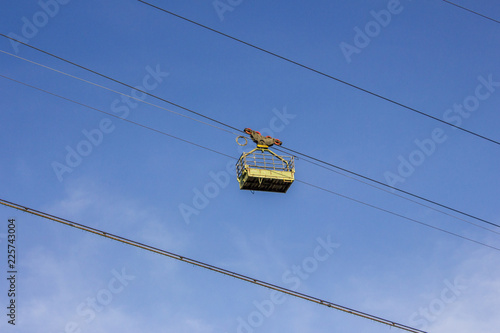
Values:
[(265, 160)]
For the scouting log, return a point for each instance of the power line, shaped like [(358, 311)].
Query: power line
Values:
[(118, 117), (471, 11), (321, 73), (396, 194), (399, 215), (395, 188), (119, 82), (116, 91), (208, 266), (306, 183), (291, 150)]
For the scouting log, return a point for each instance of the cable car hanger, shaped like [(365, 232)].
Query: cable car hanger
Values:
[(261, 169)]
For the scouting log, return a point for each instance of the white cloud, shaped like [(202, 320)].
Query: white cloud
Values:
[(478, 308), (65, 267), (89, 203)]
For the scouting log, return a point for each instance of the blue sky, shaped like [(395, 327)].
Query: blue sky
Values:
[(133, 182)]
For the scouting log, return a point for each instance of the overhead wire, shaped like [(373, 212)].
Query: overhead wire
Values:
[(214, 268), (401, 216), (234, 158), (321, 73), (119, 82), (229, 126), (204, 265), (471, 11), (395, 188), (116, 116), (396, 194), (117, 92)]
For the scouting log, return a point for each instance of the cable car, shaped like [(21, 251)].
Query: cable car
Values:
[(261, 169)]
